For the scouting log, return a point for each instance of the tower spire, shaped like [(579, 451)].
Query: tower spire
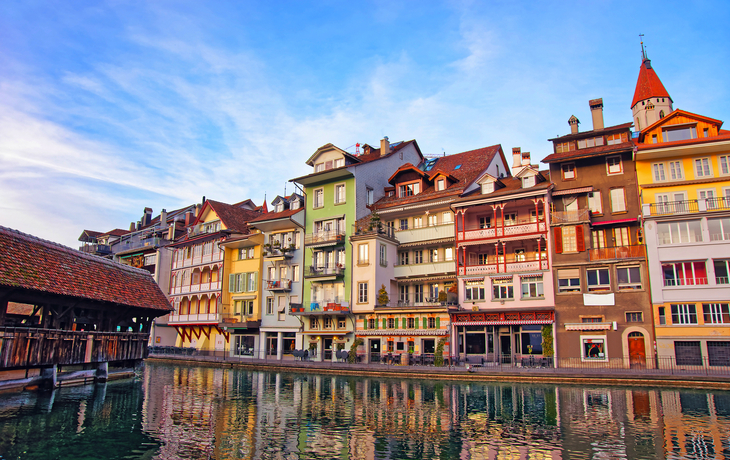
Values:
[(643, 50)]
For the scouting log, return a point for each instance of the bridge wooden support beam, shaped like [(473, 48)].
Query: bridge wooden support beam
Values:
[(102, 372), (49, 375)]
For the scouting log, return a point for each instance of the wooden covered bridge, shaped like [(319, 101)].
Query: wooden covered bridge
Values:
[(68, 308)]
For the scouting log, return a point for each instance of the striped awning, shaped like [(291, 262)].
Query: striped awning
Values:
[(427, 242), (402, 332), (572, 191), (503, 323), (588, 326)]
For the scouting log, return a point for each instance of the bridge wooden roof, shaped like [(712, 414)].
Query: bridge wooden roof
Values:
[(33, 266)]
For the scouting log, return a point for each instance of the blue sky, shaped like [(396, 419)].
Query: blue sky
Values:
[(109, 107)]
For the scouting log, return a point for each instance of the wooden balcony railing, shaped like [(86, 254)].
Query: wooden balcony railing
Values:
[(567, 217), (622, 252)]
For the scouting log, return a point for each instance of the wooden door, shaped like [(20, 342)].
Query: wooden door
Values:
[(637, 350)]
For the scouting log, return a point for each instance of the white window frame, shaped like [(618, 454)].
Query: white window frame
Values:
[(618, 167), (318, 200), (503, 289), (723, 165), (340, 193), (383, 255), (362, 292), (702, 167), (571, 173), (446, 217), (600, 286), (658, 172), (474, 291), (676, 170), (363, 254), (603, 341), (537, 281), (595, 204), (631, 283), (615, 201)]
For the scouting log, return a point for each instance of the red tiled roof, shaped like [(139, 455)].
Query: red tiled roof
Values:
[(470, 165), (116, 232), (511, 185), (235, 219), (276, 215), (648, 84), (32, 264), (588, 152)]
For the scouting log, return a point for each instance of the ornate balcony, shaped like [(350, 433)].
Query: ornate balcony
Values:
[(504, 267), (202, 287), (523, 228), (201, 318), (278, 285)]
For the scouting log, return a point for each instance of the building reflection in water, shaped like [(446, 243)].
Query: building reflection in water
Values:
[(204, 412)]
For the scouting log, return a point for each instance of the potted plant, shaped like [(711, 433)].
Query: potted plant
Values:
[(438, 357), (442, 297), (383, 295), (353, 350)]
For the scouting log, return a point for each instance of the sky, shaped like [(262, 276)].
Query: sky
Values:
[(108, 107)]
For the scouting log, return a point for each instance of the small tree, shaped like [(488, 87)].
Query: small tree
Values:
[(383, 298), (547, 341), (352, 356), (443, 296), (438, 357)]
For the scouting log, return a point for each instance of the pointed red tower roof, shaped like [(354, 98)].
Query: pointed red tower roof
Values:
[(648, 85)]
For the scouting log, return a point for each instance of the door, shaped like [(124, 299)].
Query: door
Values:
[(374, 350), (505, 348), (327, 349), (637, 352)]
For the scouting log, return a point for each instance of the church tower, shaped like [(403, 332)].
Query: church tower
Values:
[(651, 101)]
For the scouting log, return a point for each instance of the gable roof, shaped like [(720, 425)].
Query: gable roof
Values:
[(32, 264), (648, 84), (512, 185), (590, 151), (234, 218), (677, 113)]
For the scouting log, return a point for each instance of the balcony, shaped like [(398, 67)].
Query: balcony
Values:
[(686, 207), (99, 249), (323, 307), (278, 285), (696, 281), (138, 243), (415, 235), (529, 263), (325, 238), (432, 268), (622, 252), (522, 228), (216, 256), (277, 253), (201, 318), (427, 302), (202, 287), (570, 217), (318, 272)]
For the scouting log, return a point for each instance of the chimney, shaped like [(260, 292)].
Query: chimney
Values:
[(597, 113), (139, 225), (516, 157), (366, 149), (525, 158), (573, 122), (163, 218), (132, 227), (147, 217), (189, 218), (171, 231), (384, 146)]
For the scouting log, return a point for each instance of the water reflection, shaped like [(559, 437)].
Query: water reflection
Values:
[(180, 412)]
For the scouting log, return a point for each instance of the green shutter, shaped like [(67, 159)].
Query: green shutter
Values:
[(376, 323), (385, 323), (231, 283), (241, 277), (365, 324), (404, 322), (254, 276), (438, 323), (396, 323), (425, 322)]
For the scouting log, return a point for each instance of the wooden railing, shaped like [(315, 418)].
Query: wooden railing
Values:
[(27, 347), (566, 217), (622, 252)]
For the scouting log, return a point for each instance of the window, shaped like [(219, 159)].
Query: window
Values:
[(362, 292), (319, 167), (403, 224), (418, 293), (269, 305), (716, 313), (591, 319), (724, 162), (432, 323), (679, 134), (613, 165), (659, 175), (569, 239), (411, 323), (528, 181), (474, 291), (440, 185), (568, 171), (363, 254), (319, 198), (403, 256), (634, 317), (433, 255), (339, 193), (245, 253), (383, 256), (408, 189), (487, 187), (569, 280), (594, 203), (687, 353), (598, 279), (722, 271), (339, 163), (592, 142), (294, 204), (617, 138), (433, 220), (372, 323), (675, 170), (687, 231), (418, 256), (327, 322), (684, 314), (446, 218), (532, 287), (403, 293), (598, 237), (295, 273), (684, 274), (618, 200), (702, 167), (718, 353), (564, 147), (510, 219), (503, 289), (417, 222), (662, 316), (719, 228), (539, 216), (629, 277), (448, 253), (593, 348)]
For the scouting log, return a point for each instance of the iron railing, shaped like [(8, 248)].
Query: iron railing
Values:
[(621, 252)]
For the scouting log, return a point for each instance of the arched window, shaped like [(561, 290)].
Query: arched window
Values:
[(214, 275), (661, 114), (194, 304), (185, 307)]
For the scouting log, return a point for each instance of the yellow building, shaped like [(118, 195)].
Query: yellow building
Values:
[(683, 171), (198, 278)]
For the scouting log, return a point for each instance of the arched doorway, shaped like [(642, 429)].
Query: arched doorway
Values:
[(637, 350)]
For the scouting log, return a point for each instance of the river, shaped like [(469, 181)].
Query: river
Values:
[(172, 412)]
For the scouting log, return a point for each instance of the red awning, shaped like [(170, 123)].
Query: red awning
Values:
[(619, 221)]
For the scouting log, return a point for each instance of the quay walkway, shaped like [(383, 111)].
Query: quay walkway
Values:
[(700, 377)]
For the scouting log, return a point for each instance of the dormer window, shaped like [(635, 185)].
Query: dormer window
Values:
[(408, 189), (528, 181), (488, 187), (339, 162), (592, 142), (679, 134), (441, 184), (279, 207), (564, 147), (294, 204), (319, 167)]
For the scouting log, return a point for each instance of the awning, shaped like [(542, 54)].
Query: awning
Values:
[(402, 332), (427, 243), (588, 326), (572, 191), (610, 222), (503, 323)]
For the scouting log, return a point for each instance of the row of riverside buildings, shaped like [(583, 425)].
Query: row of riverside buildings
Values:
[(617, 251)]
